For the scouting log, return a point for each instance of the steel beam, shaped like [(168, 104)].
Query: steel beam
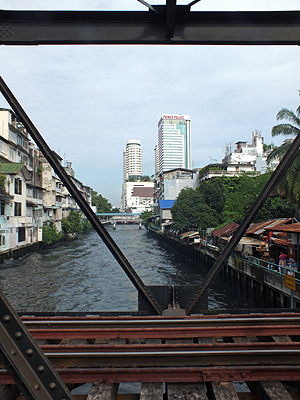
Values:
[(169, 24), (24, 360), (86, 209)]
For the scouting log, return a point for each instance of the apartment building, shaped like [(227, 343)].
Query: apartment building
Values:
[(19, 225), (31, 193)]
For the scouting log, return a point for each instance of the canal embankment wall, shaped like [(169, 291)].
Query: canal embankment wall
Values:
[(266, 287)]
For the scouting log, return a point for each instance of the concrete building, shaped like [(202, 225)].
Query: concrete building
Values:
[(19, 226), (52, 197), (133, 160), (174, 142), (68, 202), (138, 196), (244, 158), (168, 185)]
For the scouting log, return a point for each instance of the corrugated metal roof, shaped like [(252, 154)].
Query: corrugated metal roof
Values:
[(259, 227), (291, 228), (227, 230)]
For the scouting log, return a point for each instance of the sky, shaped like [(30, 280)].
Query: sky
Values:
[(87, 101)]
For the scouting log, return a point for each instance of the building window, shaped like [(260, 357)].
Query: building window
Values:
[(12, 153), (18, 209), (18, 186), (2, 208), (21, 234)]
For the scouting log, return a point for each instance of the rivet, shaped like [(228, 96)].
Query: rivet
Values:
[(6, 318), (52, 386), (41, 368), (29, 352), (18, 335), (37, 386), (13, 352)]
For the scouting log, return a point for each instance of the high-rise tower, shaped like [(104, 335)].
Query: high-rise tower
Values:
[(174, 142), (133, 160)]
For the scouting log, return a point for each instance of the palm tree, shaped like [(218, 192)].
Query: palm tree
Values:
[(290, 183)]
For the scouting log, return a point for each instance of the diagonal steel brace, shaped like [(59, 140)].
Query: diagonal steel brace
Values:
[(91, 216)]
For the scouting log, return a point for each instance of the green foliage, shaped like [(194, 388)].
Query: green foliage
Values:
[(145, 215), (2, 182), (101, 203), (290, 183), (50, 234), (212, 192), (145, 178), (75, 223), (227, 199), (190, 210)]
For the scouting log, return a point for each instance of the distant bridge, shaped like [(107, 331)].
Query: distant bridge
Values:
[(119, 218)]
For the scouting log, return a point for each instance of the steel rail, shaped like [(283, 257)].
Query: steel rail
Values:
[(164, 333), (158, 323), (84, 206), (253, 373), (174, 358), (82, 348)]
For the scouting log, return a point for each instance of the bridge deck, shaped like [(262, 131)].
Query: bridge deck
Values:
[(194, 357)]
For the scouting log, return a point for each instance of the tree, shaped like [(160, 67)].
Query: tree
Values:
[(75, 223), (290, 183), (190, 210), (145, 215), (213, 195), (101, 203)]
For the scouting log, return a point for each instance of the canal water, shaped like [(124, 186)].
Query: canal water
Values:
[(82, 275)]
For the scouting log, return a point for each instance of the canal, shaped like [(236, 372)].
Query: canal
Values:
[(82, 275)]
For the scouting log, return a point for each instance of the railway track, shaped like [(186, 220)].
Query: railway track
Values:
[(200, 350)]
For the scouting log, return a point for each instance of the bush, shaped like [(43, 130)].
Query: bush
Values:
[(50, 234), (75, 223)]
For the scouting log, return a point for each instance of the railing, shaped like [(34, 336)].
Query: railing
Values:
[(272, 267)]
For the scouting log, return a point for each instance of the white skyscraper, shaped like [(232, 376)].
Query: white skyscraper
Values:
[(137, 196), (174, 142), (133, 160)]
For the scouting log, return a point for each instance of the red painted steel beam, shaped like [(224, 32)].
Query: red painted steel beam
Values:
[(176, 375)]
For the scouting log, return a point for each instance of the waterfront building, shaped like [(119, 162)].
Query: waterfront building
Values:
[(52, 197), (68, 202), (20, 226), (174, 142), (31, 193), (168, 185)]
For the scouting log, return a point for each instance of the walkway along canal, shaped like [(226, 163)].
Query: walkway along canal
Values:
[(82, 275), (248, 279)]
